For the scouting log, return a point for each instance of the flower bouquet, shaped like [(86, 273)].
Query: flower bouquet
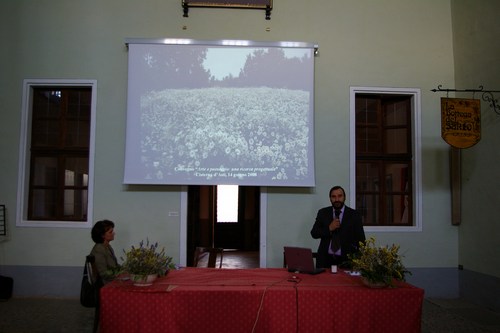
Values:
[(378, 266), (145, 261)]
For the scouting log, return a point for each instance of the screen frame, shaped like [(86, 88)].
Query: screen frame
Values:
[(222, 43)]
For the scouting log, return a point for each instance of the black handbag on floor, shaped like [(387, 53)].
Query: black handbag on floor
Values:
[(6, 285), (89, 292)]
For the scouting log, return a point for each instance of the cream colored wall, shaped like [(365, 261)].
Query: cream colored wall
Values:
[(476, 33), (385, 43)]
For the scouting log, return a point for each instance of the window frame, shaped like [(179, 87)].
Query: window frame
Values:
[(415, 146), (25, 155)]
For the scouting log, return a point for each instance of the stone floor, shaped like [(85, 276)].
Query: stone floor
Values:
[(47, 315), (239, 259), (458, 316)]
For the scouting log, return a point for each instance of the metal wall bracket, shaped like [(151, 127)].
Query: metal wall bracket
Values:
[(486, 95)]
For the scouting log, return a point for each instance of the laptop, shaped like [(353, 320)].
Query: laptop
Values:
[(300, 260)]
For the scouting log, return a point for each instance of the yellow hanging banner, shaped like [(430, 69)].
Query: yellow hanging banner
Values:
[(461, 121)]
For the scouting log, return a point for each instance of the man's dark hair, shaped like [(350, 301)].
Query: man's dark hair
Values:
[(336, 188)]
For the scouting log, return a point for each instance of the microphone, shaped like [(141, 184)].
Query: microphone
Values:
[(335, 243), (337, 215)]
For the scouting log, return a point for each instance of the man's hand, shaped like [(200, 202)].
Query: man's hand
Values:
[(334, 225)]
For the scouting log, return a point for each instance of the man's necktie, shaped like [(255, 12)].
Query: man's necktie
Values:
[(335, 245)]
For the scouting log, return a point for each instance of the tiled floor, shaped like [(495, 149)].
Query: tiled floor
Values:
[(233, 259), (45, 315), (240, 259), (458, 316), (41, 315)]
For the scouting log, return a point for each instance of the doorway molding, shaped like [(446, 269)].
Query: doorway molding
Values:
[(263, 227)]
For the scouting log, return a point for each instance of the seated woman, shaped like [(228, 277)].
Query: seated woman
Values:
[(105, 261)]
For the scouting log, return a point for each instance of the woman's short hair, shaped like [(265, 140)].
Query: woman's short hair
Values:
[(99, 229)]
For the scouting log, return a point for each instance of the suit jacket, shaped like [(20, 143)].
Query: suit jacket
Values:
[(104, 260), (351, 233)]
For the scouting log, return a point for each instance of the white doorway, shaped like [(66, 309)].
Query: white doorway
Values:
[(184, 227)]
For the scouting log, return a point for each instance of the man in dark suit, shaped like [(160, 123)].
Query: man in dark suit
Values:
[(340, 229)]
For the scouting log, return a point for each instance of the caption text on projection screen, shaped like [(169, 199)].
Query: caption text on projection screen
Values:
[(210, 114)]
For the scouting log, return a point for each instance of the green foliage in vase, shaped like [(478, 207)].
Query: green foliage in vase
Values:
[(146, 259), (379, 263)]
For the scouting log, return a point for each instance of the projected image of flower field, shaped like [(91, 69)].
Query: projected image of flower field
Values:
[(214, 115), (230, 140)]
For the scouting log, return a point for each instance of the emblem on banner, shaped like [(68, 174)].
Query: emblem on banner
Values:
[(461, 121)]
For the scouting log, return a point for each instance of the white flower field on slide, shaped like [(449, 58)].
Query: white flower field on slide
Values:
[(271, 139)]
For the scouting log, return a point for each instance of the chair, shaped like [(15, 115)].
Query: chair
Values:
[(200, 254), (92, 273), (94, 279), (315, 255)]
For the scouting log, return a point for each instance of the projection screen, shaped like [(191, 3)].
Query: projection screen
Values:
[(220, 112)]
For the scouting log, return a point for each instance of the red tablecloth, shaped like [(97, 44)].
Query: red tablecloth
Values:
[(258, 300), (341, 303)]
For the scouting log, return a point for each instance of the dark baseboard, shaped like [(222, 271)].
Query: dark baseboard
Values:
[(437, 282), (44, 281)]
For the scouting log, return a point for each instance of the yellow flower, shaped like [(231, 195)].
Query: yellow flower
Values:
[(146, 259), (379, 264)]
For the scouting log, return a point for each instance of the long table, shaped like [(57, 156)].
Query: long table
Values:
[(258, 300)]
